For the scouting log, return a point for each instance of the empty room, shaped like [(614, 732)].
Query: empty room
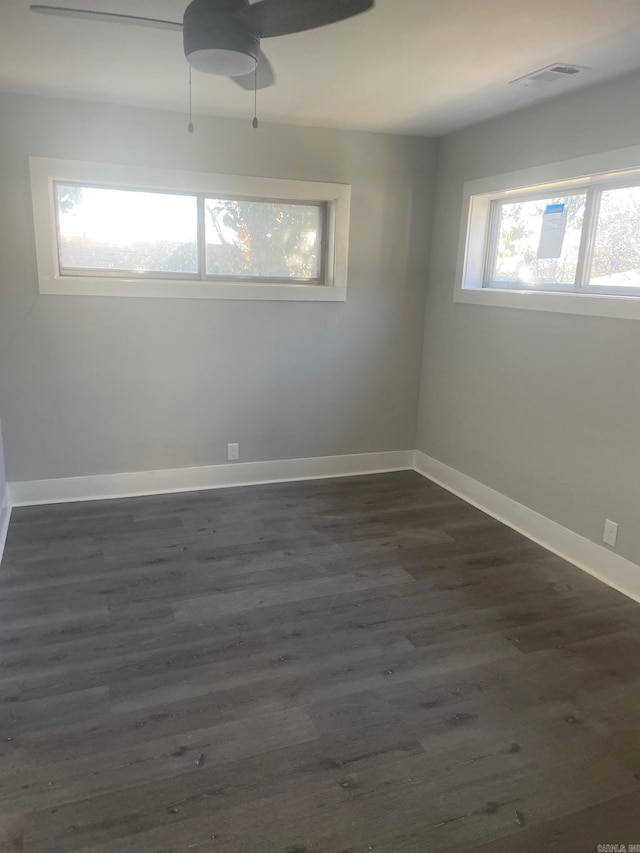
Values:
[(319, 418)]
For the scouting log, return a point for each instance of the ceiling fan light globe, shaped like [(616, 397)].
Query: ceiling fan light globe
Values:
[(216, 42), (222, 62)]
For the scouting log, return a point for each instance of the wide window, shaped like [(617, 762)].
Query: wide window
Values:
[(582, 241), (570, 245), (108, 230)]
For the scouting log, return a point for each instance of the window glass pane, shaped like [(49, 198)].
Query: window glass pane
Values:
[(539, 241), (126, 230), (251, 239), (616, 256)]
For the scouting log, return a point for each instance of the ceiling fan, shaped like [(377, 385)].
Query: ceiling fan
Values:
[(223, 37)]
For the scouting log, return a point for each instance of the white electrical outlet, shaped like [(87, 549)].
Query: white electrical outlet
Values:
[(233, 452), (610, 533)]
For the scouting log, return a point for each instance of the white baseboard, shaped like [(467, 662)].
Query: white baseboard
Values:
[(105, 486), (5, 516), (595, 559)]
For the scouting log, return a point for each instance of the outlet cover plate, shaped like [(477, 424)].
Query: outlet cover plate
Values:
[(610, 533)]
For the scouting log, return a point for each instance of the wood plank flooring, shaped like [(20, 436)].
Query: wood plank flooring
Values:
[(339, 666)]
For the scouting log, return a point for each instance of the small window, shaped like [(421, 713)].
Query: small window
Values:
[(568, 243), (108, 231), (529, 254), (615, 263), (255, 240), (118, 231)]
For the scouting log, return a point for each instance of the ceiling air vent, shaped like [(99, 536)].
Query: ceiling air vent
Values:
[(551, 74)]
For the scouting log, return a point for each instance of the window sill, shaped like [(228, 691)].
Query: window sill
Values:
[(594, 305), (181, 289)]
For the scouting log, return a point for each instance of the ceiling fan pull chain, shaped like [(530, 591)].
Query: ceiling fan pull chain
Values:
[(190, 126), (254, 123)]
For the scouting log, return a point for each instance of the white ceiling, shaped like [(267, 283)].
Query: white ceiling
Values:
[(407, 66)]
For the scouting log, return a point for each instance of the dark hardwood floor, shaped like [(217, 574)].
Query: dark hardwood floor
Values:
[(339, 666)]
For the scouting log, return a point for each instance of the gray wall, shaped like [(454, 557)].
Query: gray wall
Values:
[(99, 385), (545, 408), (4, 500), (3, 483)]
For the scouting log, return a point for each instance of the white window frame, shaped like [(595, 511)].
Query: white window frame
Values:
[(335, 198), (591, 174)]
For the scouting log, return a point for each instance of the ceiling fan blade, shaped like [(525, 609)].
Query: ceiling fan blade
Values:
[(266, 76), (106, 16), (280, 17)]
